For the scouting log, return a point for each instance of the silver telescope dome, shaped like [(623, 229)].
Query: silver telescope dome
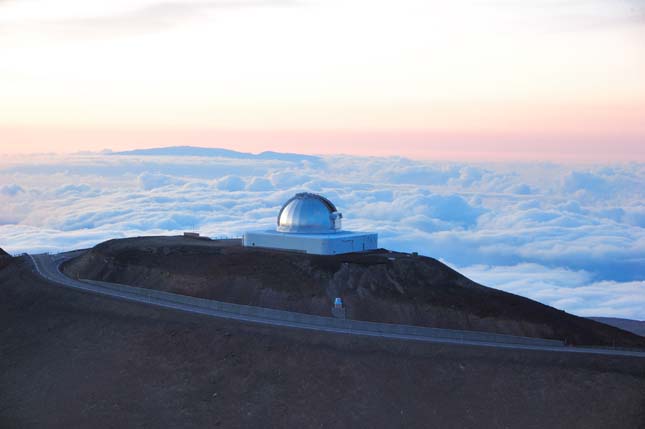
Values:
[(309, 213)]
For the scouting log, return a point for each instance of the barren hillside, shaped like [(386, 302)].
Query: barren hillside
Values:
[(378, 286), (71, 359)]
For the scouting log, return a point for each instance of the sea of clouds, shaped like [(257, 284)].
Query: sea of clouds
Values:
[(565, 235)]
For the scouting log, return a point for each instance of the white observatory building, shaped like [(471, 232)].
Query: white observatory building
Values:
[(310, 223)]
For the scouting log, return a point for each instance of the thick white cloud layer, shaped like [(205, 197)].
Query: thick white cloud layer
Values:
[(572, 237), (574, 291)]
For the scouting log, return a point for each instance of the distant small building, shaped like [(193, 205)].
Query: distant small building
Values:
[(338, 310), (191, 234), (310, 223)]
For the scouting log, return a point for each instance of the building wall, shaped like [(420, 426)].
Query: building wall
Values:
[(318, 244)]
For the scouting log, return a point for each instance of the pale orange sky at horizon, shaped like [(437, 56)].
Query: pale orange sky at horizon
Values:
[(419, 145), (474, 79)]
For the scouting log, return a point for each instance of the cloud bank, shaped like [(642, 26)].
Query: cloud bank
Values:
[(568, 236)]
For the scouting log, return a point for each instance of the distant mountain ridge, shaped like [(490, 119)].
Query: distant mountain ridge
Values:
[(219, 153)]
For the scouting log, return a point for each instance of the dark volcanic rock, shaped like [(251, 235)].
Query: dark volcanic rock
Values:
[(380, 286), (5, 259)]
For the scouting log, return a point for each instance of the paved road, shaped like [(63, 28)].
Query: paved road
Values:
[(48, 267)]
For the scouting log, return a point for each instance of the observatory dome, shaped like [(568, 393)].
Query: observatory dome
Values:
[(310, 214)]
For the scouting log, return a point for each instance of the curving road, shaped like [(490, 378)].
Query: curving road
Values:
[(48, 267)]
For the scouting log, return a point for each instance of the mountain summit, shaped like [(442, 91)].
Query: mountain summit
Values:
[(377, 285), (218, 153)]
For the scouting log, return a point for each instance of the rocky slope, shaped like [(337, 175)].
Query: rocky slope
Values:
[(5, 259), (377, 286)]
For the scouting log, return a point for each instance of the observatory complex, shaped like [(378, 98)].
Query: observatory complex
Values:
[(310, 223)]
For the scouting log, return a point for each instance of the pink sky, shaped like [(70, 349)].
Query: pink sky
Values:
[(472, 80), (414, 144)]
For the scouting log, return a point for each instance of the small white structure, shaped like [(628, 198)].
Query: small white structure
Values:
[(338, 310), (310, 223)]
